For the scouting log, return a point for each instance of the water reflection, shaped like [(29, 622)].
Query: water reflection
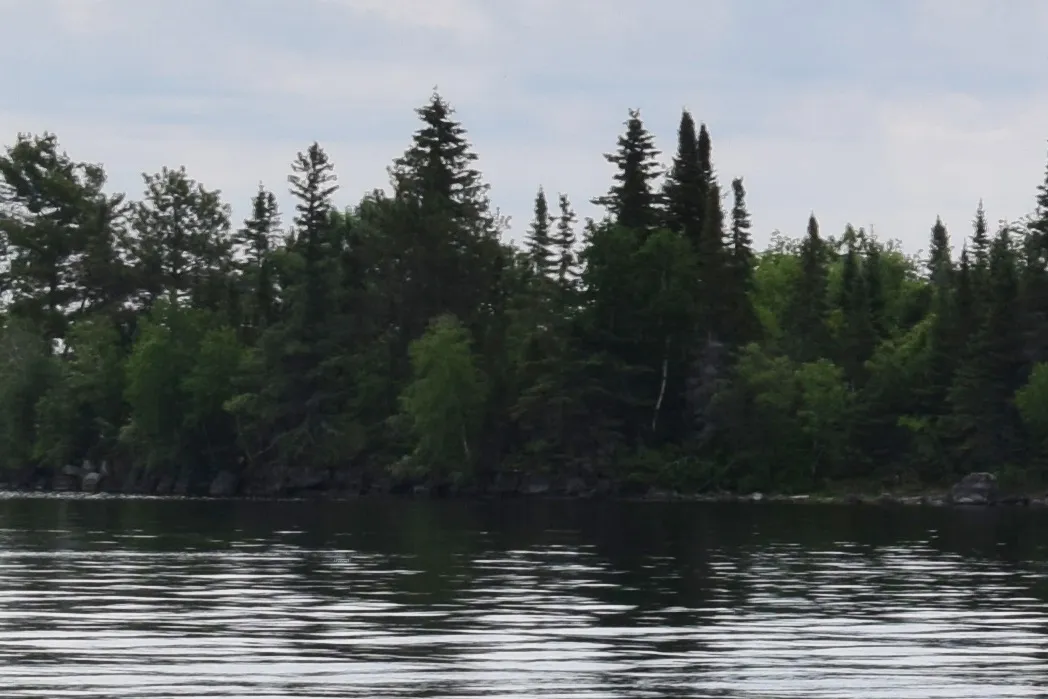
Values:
[(127, 598)]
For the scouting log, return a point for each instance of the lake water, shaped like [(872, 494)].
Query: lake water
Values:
[(165, 598)]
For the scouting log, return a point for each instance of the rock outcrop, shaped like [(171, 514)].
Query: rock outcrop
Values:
[(975, 489)]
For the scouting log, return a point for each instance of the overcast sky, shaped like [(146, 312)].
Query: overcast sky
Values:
[(875, 112)]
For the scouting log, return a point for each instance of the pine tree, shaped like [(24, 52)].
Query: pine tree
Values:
[(538, 238), (182, 245), (685, 189), (59, 236), (632, 201)]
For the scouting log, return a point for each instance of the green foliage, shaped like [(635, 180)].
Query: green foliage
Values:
[(657, 349), (443, 402), (1032, 402)]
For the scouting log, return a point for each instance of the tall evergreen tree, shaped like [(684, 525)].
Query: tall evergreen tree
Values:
[(873, 274), (564, 242), (980, 241), (706, 154), (632, 200), (745, 327), (538, 238), (967, 309), (857, 334), (59, 235), (313, 183), (716, 297), (439, 170), (985, 420), (809, 306), (182, 244), (444, 246), (939, 262), (254, 242), (686, 185)]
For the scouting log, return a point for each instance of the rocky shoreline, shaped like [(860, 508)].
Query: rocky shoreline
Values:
[(975, 489)]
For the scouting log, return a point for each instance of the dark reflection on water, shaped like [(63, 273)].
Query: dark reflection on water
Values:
[(125, 598)]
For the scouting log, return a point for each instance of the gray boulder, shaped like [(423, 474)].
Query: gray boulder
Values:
[(224, 485), (536, 486), (975, 489), (90, 482)]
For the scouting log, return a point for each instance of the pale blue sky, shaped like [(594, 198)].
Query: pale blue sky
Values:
[(883, 112)]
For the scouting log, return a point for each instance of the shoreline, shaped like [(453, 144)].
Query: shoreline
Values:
[(929, 499)]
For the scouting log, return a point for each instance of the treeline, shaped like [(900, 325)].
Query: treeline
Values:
[(405, 341)]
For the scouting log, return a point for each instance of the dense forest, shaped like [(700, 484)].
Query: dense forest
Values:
[(405, 343)]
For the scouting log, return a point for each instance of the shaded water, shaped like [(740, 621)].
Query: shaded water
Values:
[(125, 598)]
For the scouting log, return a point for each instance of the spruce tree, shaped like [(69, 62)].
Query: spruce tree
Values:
[(873, 274), (808, 307), (980, 242), (438, 170), (313, 183), (715, 272), (985, 421), (939, 262), (706, 154), (631, 200), (254, 242), (564, 242), (857, 334), (538, 238), (447, 237), (743, 316), (685, 188), (741, 241)]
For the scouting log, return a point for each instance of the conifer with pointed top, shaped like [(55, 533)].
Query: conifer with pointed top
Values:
[(741, 240), (857, 334), (966, 299), (744, 321), (439, 169), (980, 241), (631, 200), (564, 242), (254, 242), (538, 237), (715, 270), (313, 183), (874, 275), (684, 191), (809, 308), (939, 262)]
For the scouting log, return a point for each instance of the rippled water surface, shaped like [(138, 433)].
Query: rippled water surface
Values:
[(140, 598)]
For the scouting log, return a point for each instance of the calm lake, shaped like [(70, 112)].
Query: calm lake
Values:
[(166, 598)]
